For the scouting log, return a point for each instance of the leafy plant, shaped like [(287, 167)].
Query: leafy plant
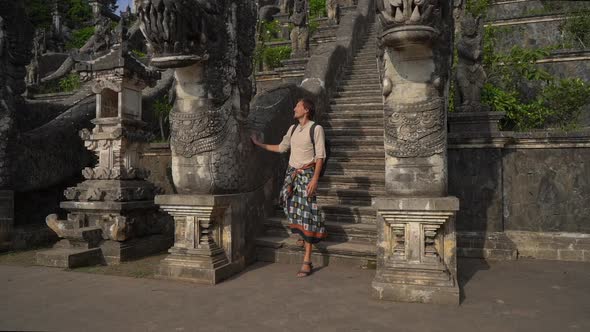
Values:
[(477, 7), (80, 37), (162, 109), (138, 53), (557, 103), (70, 83), (317, 8), (576, 30), (78, 13), (272, 56)]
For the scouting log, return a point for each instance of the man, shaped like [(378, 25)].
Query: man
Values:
[(298, 195)]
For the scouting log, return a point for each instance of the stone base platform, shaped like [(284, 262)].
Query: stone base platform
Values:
[(186, 268), (492, 245), (70, 258), (108, 253), (415, 293)]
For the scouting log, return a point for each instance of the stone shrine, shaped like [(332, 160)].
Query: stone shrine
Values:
[(112, 216)]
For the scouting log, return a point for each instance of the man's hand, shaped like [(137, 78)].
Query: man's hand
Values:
[(312, 186), (255, 140)]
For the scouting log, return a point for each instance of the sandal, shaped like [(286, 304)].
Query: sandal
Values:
[(303, 274)]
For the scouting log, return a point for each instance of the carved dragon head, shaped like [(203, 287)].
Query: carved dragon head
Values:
[(408, 21), (180, 31)]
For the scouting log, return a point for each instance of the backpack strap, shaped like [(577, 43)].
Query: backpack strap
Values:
[(311, 135), (293, 130)]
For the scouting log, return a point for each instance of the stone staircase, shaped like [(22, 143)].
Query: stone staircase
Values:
[(293, 70), (355, 174)]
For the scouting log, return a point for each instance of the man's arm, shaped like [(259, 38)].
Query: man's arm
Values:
[(268, 147), (312, 186)]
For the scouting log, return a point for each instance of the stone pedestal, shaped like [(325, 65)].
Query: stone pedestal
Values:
[(416, 250), (210, 236), (475, 122), (105, 233), (6, 218)]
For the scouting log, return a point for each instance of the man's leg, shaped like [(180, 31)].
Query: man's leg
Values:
[(306, 268)]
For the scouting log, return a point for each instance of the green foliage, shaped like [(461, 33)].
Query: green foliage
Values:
[(312, 27), (39, 13), (268, 31), (557, 103), (70, 83), (138, 53), (80, 37), (576, 30), (272, 56), (317, 8), (78, 13), (477, 7), (162, 109)]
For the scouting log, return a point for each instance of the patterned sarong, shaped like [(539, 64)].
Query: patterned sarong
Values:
[(302, 211)]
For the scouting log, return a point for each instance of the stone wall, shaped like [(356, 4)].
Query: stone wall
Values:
[(524, 192)]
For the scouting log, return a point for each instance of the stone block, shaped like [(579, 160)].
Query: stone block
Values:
[(415, 293), (570, 255), (187, 269), (70, 258), (116, 252)]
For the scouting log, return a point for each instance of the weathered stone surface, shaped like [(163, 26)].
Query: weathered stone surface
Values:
[(470, 75), (544, 192), (214, 234), (6, 218)]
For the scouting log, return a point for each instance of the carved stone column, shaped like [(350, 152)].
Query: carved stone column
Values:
[(210, 46), (416, 248)]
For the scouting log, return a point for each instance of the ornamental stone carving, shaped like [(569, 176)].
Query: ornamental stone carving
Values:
[(471, 75), (300, 32), (210, 44)]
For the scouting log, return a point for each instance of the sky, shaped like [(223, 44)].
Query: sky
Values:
[(123, 4)]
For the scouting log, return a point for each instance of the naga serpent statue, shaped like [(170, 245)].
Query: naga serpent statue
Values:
[(415, 57), (210, 43)]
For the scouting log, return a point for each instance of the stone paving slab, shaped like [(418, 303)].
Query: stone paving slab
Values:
[(524, 295)]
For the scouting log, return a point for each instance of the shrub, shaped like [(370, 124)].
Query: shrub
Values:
[(80, 37), (273, 56), (70, 82), (317, 8)]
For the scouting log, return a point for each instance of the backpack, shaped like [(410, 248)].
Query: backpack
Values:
[(326, 144)]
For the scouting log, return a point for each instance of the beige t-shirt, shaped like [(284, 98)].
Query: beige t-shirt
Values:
[(301, 147)]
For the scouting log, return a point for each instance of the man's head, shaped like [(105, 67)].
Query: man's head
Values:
[(304, 107)]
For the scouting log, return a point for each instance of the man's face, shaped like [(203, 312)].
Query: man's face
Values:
[(299, 111)]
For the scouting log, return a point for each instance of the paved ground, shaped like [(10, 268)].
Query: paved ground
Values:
[(502, 296)]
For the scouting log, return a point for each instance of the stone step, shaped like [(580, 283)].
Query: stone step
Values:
[(361, 93), (295, 62), (347, 152), (360, 178), (357, 100), (347, 131), (349, 214), (352, 186), (370, 76), (361, 81), (346, 253), (337, 231), (367, 166), (362, 66), (350, 141), (348, 86), (368, 109), (371, 70)]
